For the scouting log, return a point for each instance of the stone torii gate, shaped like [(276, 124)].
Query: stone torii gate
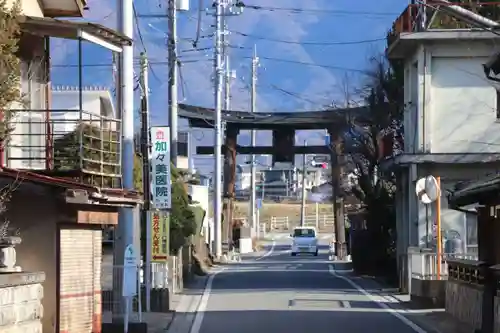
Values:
[(283, 126)]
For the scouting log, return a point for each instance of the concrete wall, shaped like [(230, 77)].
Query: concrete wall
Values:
[(464, 302), (452, 107), (431, 293), (21, 309)]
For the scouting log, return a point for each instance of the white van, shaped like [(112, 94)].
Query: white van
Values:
[(304, 241)]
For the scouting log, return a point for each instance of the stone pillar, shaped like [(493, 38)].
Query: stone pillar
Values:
[(229, 180), (338, 195)]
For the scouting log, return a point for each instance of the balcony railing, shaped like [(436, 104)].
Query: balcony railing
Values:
[(430, 16), (67, 143)]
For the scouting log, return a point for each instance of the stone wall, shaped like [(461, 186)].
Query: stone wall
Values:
[(464, 302), (21, 309)]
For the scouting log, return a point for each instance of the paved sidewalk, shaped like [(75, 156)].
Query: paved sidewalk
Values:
[(157, 322), (432, 320)]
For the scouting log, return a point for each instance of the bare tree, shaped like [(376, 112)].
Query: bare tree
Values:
[(383, 96)]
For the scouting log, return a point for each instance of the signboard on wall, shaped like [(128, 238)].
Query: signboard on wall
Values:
[(160, 236), (160, 168)]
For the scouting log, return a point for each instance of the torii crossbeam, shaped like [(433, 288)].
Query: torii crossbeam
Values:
[(283, 125)]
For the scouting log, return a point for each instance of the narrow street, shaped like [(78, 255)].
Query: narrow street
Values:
[(274, 293)]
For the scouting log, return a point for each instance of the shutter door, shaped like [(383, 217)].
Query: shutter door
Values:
[(80, 281)]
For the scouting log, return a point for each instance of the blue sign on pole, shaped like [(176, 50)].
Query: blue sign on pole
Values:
[(327, 140), (258, 203)]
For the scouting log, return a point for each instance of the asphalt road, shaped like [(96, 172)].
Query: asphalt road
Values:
[(272, 292)]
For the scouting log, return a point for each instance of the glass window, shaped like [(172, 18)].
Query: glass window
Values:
[(304, 233), (471, 223)]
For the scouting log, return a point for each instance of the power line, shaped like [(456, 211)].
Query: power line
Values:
[(319, 11), (310, 64), (296, 95), (141, 39), (290, 61), (276, 40), (137, 64)]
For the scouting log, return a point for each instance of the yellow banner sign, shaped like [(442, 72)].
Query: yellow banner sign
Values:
[(160, 227)]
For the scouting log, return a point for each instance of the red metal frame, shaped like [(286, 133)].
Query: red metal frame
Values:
[(404, 22), (65, 183)]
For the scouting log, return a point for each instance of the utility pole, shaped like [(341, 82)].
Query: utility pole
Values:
[(146, 179), (227, 71), (218, 132), (124, 233), (253, 98), (172, 78), (338, 203), (304, 174)]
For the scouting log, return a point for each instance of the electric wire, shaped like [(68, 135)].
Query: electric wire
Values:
[(141, 39), (319, 11), (277, 40), (345, 69)]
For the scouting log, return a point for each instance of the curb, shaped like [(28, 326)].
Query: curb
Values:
[(185, 320)]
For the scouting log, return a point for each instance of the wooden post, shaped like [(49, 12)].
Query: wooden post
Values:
[(338, 200), (229, 180)]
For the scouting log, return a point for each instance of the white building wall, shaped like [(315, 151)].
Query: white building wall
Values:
[(450, 105), (28, 7), (464, 107)]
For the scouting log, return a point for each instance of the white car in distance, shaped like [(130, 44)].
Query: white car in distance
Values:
[(304, 241)]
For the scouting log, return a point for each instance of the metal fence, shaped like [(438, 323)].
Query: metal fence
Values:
[(113, 303), (320, 221), (423, 265)]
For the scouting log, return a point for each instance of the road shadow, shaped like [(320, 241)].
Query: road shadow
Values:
[(337, 319)]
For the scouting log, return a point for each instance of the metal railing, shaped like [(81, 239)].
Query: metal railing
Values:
[(423, 265), (67, 141), (428, 16), (469, 271), (113, 304), (317, 221)]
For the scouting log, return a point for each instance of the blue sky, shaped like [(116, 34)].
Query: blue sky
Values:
[(301, 77)]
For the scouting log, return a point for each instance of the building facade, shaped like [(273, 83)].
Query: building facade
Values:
[(62, 168), (451, 124)]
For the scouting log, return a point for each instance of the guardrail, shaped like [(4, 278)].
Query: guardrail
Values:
[(285, 222)]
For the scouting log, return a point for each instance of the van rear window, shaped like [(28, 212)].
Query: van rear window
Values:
[(304, 233)]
